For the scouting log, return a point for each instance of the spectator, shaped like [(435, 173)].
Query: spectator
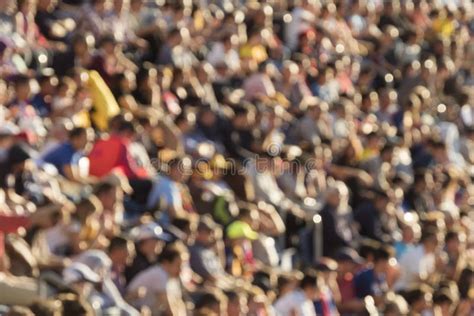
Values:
[(373, 281), (298, 299), (67, 156), (163, 289)]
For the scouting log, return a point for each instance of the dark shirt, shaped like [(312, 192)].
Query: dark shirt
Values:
[(42, 107), (369, 220), (367, 283), (332, 237), (140, 263), (204, 261)]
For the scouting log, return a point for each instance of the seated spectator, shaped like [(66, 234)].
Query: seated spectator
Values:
[(149, 242), (298, 299), (113, 153), (169, 191), (372, 281), (163, 288), (418, 263), (204, 258), (67, 156)]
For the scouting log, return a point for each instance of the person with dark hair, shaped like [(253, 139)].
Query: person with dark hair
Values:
[(122, 252), (236, 303), (114, 153), (208, 301), (299, 300), (369, 216), (164, 293), (418, 299), (372, 281), (67, 156), (42, 100), (169, 191), (47, 308)]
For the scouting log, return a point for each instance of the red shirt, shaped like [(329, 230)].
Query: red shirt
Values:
[(112, 154)]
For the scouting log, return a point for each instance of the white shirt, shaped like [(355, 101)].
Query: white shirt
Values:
[(415, 264), (155, 280), (295, 301)]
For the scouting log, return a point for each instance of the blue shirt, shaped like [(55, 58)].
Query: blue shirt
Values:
[(63, 155), (165, 191), (367, 283)]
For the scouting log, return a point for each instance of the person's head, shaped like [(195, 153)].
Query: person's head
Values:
[(22, 88), (26, 6), (48, 84), (108, 44), (429, 240), (443, 303), (333, 197), (121, 250), (205, 231), (210, 302), (127, 130), (236, 304), (347, 261), (179, 169), (174, 37), (107, 193), (395, 305), (309, 284), (75, 305), (418, 298), (410, 232), (99, 6), (47, 308), (80, 137), (249, 215), (242, 118), (79, 44), (382, 257), (171, 261), (207, 117), (454, 241), (387, 152), (381, 200), (87, 208)]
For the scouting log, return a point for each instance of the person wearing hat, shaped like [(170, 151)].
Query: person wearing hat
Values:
[(149, 242), (240, 235)]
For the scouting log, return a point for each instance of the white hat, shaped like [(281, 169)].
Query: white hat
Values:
[(149, 231), (80, 272)]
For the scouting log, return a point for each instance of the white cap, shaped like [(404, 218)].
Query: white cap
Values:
[(148, 231)]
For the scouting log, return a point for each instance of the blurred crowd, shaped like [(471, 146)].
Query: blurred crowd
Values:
[(237, 157)]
